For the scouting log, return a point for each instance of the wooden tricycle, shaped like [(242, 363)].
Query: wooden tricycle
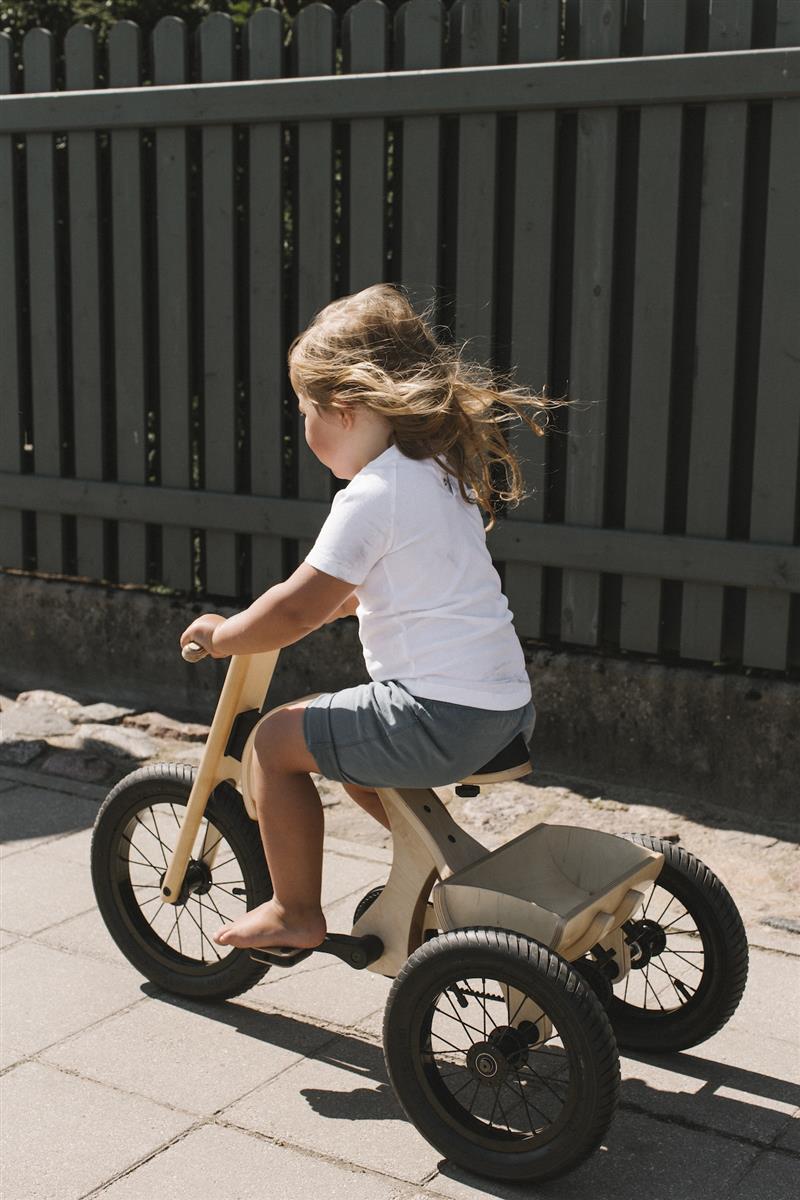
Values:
[(516, 972)]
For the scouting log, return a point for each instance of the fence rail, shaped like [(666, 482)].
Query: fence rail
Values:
[(600, 196)]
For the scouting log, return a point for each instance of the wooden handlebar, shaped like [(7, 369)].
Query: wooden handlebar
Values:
[(193, 652)]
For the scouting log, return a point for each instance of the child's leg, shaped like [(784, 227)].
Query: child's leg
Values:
[(292, 828), (369, 800)]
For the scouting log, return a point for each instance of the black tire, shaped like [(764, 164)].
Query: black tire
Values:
[(696, 959), (473, 964), (133, 836)]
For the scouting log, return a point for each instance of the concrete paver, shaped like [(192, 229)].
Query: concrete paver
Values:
[(283, 1091), (231, 1162), (199, 1058), (39, 888), (770, 1175), (339, 1103), (30, 815), (790, 1138), (49, 994), (69, 1134), (336, 993), (640, 1157), (86, 935)]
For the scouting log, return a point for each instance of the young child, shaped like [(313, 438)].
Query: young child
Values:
[(417, 432)]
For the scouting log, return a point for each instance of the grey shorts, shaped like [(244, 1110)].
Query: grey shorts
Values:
[(378, 735)]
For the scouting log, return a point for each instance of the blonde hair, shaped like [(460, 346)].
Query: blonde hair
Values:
[(373, 348)]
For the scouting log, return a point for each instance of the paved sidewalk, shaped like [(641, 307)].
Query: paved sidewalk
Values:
[(114, 1089)]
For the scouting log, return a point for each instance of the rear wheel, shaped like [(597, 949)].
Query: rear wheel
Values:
[(500, 1054), (690, 958), (171, 944)]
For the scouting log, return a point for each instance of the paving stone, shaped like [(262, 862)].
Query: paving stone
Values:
[(232, 1163), (790, 1138), (73, 847), (159, 726), (343, 875), (9, 1055), (56, 700), (195, 1057), (86, 935), (69, 1135), (100, 712), (119, 741), (32, 720), (18, 752), (336, 993), (49, 994), (79, 765), (770, 994), (771, 1177), (716, 1093), (38, 889), (29, 815), (639, 1157), (340, 1104)]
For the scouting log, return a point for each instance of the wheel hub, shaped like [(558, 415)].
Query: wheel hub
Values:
[(197, 880), (487, 1064), (646, 940)]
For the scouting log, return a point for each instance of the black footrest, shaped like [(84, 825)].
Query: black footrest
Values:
[(357, 952)]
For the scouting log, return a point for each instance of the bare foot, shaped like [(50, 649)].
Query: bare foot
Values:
[(269, 925)]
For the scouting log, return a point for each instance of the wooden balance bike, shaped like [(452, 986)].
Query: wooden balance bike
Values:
[(516, 972)]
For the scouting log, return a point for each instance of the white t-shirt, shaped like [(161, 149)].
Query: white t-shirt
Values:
[(431, 611)]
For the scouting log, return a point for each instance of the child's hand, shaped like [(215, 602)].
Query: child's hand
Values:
[(202, 632)]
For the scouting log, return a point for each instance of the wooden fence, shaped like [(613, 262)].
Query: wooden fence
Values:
[(602, 196)]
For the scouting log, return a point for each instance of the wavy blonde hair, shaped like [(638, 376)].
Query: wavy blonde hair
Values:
[(373, 348)]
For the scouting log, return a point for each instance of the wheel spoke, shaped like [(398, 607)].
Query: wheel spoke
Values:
[(241, 899), (158, 835), (458, 1049), (694, 966), (203, 936), (138, 850), (647, 984)]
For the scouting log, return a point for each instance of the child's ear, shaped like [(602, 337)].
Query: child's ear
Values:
[(348, 415)]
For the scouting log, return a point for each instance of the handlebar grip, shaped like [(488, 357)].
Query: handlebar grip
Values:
[(193, 652)]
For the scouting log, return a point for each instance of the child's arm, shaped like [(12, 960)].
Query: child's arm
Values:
[(284, 614), (348, 609)]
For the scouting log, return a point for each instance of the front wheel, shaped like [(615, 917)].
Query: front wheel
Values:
[(500, 1054), (689, 961), (134, 834)]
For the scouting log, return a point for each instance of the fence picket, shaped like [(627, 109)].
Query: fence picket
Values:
[(730, 23), (660, 133), (169, 50), (599, 37), (84, 243), (533, 30), (419, 45), (365, 31), (11, 430), (46, 319), (215, 39), (474, 34), (268, 334), (124, 70), (777, 432), (315, 33)]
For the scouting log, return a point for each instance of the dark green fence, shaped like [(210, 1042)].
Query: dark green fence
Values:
[(601, 196)]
